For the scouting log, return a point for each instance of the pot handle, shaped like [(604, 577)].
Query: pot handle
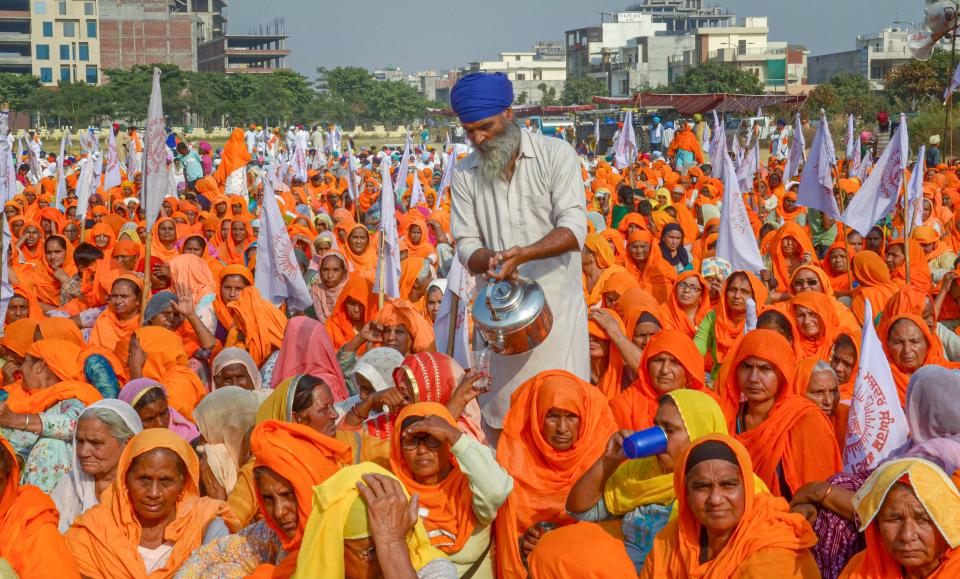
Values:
[(490, 283)]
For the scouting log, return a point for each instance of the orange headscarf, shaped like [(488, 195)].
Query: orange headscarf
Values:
[(920, 277), (260, 322), (42, 277), (18, 336), (305, 458), (726, 331), (63, 358), (157, 249), (403, 313), (542, 475), (611, 377), (781, 268), (821, 345), (33, 305), (672, 314), (838, 280), (223, 313), (339, 327), (104, 539), (598, 555), (31, 543), (606, 260), (232, 251), (364, 264), (874, 283), (409, 270), (657, 276), (796, 438), (934, 350), (450, 502), (167, 363), (422, 249), (633, 304), (111, 332), (636, 406), (766, 526)]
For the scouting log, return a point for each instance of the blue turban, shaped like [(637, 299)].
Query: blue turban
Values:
[(480, 95)]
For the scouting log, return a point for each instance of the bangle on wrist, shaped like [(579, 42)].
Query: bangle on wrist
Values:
[(356, 413), (827, 494), (26, 422)]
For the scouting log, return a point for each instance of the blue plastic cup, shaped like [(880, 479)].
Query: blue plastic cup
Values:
[(644, 443)]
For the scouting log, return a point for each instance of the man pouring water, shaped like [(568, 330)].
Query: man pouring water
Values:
[(518, 208)]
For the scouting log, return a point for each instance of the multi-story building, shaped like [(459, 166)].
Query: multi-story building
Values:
[(778, 65), (263, 50), (631, 50), (15, 36), (529, 71), (64, 40), (140, 32), (875, 55)]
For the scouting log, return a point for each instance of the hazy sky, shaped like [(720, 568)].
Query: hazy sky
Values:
[(419, 35)]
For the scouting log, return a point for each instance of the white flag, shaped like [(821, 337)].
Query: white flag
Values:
[(111, 176), (389, 262), (625, 149), (877, 425), (61, 178), (6, 290), (299, 161), (460, 283), (913, 200), (401, 183), (718, 149), (864, 166), (855, 163), (798, 147), (736, 149), (878, 195), (277, 275), (596, 134), (155, 155), (447, 176), (85, 183), (735, 240), (8, 170), (850, 138), (749, 167), (816, 181), (352, 165), (954, 83), (416, 192)]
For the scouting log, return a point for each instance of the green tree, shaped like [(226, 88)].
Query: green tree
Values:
[(18, 89), (521, 99), (548, 95), (916, 81), (711, 77), (579, 89)]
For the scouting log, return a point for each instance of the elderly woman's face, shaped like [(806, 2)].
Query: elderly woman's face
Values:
[(824, 391), (358, 240), (98, 452), (234, 375), (643, 332), (320, 415), (427, 457), (808, 322), (561, 429), (666, 373), (279, 500), (716, 495), (908, 532), (908, 347), (639, 250), (155, 481), (806, 281), (838, 260), (895, 257)]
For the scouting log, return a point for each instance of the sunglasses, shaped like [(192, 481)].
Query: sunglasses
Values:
[(413, 442)]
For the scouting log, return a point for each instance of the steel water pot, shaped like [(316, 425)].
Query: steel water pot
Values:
[(513, 315)]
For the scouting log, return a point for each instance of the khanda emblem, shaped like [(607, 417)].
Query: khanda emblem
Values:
[(890, 178)]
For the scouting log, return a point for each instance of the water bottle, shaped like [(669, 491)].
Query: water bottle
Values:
[(644, 443)]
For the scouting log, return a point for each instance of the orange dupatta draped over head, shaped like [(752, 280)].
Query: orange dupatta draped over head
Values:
[(364, 264), (606, 260), (403, 313), (781, 267), (104, 539), (598, 555), (450, 502), (672, 314), (766, 525), (111, 332), (920, 277), (874, 283), (636, 406), (543, 475), (42, 275), (422, 249), (305, 458), (934, 351), (223, 313), (63, 359), (657, 276), (31, 543), (796, 438), (839, 280), (339, 327), (726, 331), (157, 248), (821, 345), (167, 363), (611, 375), (260, 322)]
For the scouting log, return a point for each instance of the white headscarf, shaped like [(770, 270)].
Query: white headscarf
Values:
[(231, 356), (77, 492), (223, 417)]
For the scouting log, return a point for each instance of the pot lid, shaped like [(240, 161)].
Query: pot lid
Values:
[(505, 295)]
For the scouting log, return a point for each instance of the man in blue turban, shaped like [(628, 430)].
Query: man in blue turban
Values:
[(518, 206)]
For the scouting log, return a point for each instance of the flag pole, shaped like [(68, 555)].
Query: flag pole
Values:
[(906, 225), (452, 328), (843, 226), (381, 269)]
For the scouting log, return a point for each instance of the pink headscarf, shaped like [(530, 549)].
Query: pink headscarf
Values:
[(307, 349)]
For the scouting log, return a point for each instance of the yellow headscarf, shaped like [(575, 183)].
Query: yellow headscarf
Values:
[(337, 516), (933, 488), (641, 481), (279, 405)]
